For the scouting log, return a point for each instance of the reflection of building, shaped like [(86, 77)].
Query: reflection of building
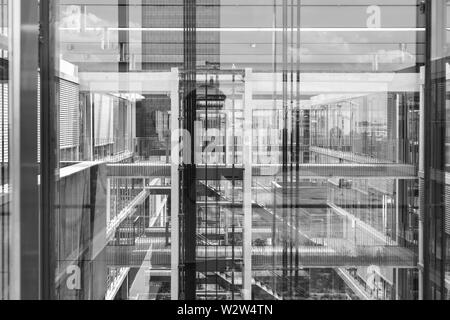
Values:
[(307, 174), (163, 49)]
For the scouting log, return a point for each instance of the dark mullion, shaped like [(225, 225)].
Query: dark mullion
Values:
[(189, 169)]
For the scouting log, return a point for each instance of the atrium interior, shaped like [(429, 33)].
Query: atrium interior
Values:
[(224, 149)]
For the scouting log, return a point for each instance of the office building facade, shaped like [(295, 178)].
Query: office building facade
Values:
[(224, 150)]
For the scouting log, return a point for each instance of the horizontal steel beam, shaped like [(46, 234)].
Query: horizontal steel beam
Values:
[(263, 257), (305, 171)]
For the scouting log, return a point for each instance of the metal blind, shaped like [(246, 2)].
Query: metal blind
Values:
[(4, 122), (447, 209), (69, 114), (421, 199)]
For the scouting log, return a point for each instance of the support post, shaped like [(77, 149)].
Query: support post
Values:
[(25, 220), (49, 145), (247, 184), (175, 186)]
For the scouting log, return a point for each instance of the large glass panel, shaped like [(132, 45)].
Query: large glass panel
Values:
[(112, 231), (225, 149), (344, 85), (238, 149)]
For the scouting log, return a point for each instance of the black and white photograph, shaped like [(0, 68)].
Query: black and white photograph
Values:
[(225, 157)]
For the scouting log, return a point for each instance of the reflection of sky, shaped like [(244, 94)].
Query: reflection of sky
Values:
[(99, 24)]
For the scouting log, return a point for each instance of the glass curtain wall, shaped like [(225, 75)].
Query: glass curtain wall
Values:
[(296, 175), (230, 149)]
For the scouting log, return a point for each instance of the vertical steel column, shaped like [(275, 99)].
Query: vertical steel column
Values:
[(292, 150), (275, 111), (189, 166), (434, 153), (49, 144), (421, 171), (285, 145), (175, 185), (247, 187), (426, 157), (233, 186), (25, 220)]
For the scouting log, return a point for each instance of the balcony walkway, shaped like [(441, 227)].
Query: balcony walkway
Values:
[(307, 171)]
